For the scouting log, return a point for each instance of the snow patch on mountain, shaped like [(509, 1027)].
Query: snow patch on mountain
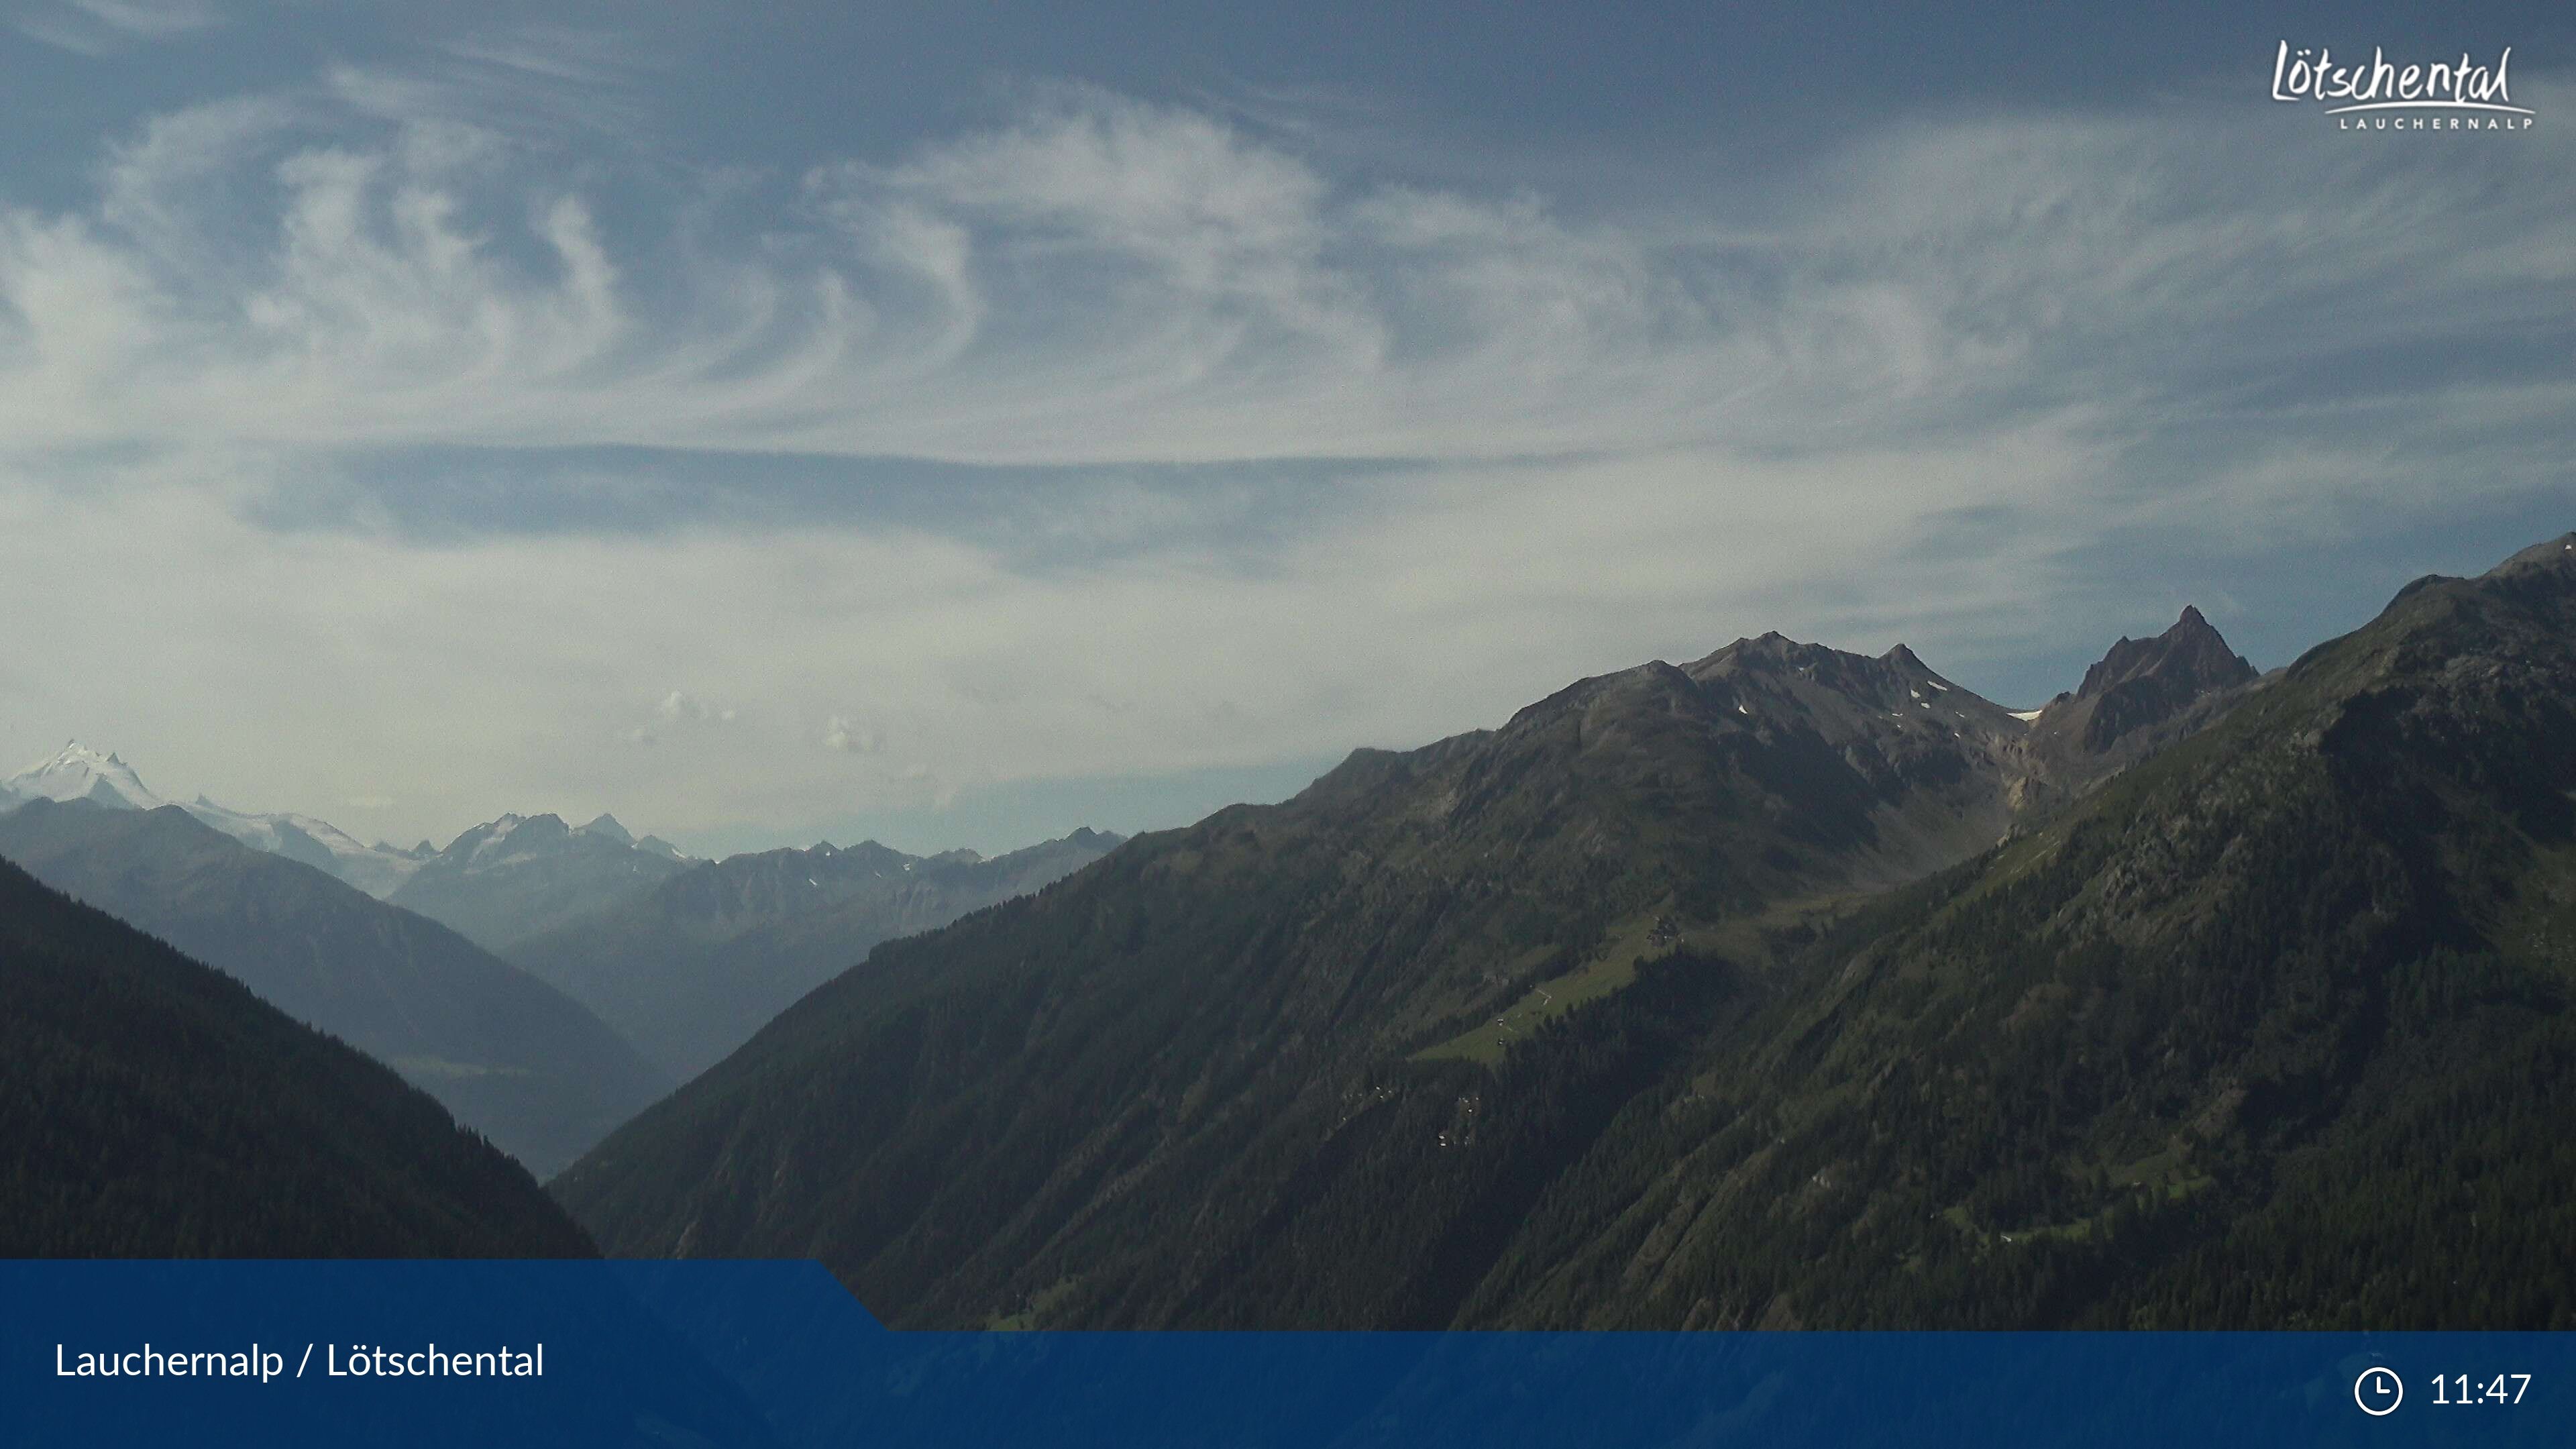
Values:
[(77, 772), (379, 870)]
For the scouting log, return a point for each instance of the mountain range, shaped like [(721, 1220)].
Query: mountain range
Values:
[(689, 967), (155, 1108), (506, 1053), (496, 882), (519, 876), (394, 950), (1786, 987), (77, 772)]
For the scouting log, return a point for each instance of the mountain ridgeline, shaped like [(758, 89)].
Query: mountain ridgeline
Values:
[(153, 1107), (494, 883), (400, 951), (1787, 987), (522, 875), (691, 966), (506, 1053)]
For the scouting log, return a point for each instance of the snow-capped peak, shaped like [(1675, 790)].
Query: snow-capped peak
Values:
[(375, 869), (77, 772)]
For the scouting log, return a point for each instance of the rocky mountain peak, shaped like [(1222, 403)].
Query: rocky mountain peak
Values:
[(2187, 659), (2142, 683), (607, 825)]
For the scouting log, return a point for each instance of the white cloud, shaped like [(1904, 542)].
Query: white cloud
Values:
[(103, 27), (476, 672), (1108, 281), (851, 736), (153, 19), (1915, 391), (680, 705)]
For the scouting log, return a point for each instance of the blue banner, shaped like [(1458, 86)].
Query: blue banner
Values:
[(760, 1354)]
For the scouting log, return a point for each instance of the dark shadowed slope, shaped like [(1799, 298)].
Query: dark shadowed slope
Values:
[(151, 1107), (2226, 1040), (508, 1054), (691, 967), (1132, 1081)]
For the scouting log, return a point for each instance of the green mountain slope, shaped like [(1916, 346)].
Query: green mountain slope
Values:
[(1191, 1017), (2273, 1032), (151, 1107), (506, 1053), (2270, 1029)]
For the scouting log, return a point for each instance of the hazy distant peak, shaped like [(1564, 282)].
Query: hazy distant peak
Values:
[(77, 772), (607, 825), (515, 836)]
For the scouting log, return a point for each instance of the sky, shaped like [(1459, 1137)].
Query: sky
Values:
[(955, 424)]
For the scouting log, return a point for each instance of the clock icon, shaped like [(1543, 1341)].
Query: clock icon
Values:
[(2378, 1392)]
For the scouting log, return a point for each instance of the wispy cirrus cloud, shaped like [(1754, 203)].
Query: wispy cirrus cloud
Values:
[(1111, 437), (103, 27), (1103, 280)]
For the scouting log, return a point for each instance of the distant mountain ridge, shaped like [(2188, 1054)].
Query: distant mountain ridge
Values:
[(503, 881), (693, 971), (77, 772), (155, 1108), (489, 894), (690, 967), (509, 1055)]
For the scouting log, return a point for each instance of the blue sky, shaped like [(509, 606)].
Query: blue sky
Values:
[(954, 424)]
